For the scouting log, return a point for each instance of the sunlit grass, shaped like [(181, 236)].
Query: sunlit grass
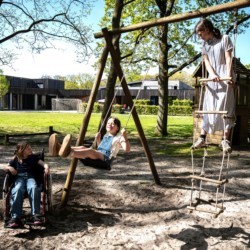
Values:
[(176, 143), (35, 122)]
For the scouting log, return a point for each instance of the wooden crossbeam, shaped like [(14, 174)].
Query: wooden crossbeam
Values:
[(206, 210), (210, 80), (211, 112)]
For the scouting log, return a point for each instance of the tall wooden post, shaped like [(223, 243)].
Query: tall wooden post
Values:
[(83, 130), (121, 76)]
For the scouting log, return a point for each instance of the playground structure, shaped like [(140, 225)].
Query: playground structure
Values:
[(109, 48), (199, 175)]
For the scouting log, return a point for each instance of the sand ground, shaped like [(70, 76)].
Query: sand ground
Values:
[(125, 209)]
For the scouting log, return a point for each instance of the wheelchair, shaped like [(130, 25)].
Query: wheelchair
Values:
[(46, 195)]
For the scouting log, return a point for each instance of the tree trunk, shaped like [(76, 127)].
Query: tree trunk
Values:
[(162, 118), (110, 88)]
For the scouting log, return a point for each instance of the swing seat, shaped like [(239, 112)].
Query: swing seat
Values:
[(98, 164)]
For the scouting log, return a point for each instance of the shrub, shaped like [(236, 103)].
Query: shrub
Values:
[(142, 102), (184, 102), (146, 109), (143, 107)]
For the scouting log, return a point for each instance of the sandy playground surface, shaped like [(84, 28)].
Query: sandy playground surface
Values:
[(124, 208)]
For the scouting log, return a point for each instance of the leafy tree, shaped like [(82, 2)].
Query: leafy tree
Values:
[(169, 46), (38, 24), (247, 66), (80, 81), (184, 77), (71, 85), (4, 86)]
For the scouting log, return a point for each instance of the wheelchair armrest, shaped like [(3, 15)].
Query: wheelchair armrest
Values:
[(8, 181)]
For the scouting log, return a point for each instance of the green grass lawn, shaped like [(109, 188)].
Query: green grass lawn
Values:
[(35, 122), (178, 141)]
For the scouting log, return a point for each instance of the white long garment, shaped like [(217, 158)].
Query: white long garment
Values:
[(216, 92)]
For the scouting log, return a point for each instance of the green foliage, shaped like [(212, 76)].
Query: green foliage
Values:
[(184, 77), (146, 109), (184, 102), (180, 110), (180, 107), (70, 85), (80, 81), (98, 107), (116, 108), (143, 102), (179, 34), (4, 85), (247, 66)]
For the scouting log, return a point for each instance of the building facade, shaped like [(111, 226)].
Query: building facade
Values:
[(37, 94)]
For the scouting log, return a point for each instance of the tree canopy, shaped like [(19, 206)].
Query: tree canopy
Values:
[(4, 85), (36, 25), (170, 47), (79, 81)]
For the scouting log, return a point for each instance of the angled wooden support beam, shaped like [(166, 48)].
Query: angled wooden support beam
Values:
[(84, 127), (180, 17), (122, 78)]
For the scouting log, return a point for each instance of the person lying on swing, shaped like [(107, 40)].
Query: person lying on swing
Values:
[(107, 148)]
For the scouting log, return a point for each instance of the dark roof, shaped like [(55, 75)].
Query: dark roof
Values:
[(238, 67)]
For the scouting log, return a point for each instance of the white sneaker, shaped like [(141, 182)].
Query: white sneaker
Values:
[(225, 144), (199, 143)]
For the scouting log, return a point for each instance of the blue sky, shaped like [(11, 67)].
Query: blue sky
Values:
[(62, 62)]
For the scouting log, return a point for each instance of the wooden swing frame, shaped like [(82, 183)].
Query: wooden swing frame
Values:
[(109, 48)]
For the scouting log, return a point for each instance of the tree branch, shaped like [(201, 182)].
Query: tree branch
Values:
[(191, 60), (238, 23), (131, 1), (144, 59), (31, 26), (170, 9)]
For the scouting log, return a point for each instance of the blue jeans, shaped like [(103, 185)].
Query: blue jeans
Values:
[(25, 182)]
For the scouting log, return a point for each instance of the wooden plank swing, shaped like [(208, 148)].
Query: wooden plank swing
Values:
[(109, 47)]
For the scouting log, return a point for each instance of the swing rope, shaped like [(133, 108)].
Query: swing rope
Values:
[(135, 100), (130, 113), (94, 144)]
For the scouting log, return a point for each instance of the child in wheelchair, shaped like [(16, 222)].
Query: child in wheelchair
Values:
[(27, 170)]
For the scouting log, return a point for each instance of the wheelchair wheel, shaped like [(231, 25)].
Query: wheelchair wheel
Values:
[(6, 198), (49, 198)]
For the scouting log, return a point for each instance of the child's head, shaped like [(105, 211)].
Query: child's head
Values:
[(205, 27), (23, 150), (113, 125)]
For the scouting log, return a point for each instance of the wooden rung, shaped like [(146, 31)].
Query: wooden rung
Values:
[(212, 203), (205, 210), (221, 79), (211, 112), (209, 180)]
